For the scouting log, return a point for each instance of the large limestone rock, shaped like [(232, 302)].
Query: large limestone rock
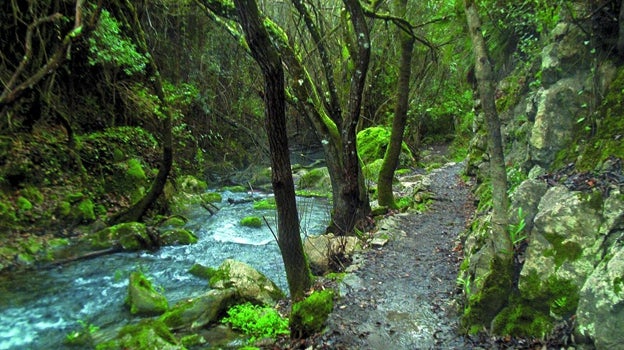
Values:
[(250, 285), (558, 108), (566, 54), (143, 298), (198, 312), (322, 248), (564, 248), (600, 310), (601, 305), (526, 198)]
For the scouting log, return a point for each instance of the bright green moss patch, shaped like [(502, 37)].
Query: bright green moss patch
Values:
[(251, 221), (265, 204), (520, 319), (489, 297), (211, 197), (236, 189), (309, 315)]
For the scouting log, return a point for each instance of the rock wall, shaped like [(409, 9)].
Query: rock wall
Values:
[(569, 258)]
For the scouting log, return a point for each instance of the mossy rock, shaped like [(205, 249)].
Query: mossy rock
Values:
[(130, 235), (249, 283), (489, 293), (143, 299), (371, 170), (191, 184), (201, 271), (251, 221), (211, 197), (372, 143), (178, 236), (145, 335), (521, 319), (235, 189), (174, 221), (309, 315), (265, 204), (198, 312)]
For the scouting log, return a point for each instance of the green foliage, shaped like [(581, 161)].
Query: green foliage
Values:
[(251, 221), (258, 322), (516, 231), (24, 204), (518, 26), (135, 170), (109, 47)]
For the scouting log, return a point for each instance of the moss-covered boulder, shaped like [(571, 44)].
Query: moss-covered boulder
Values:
[(564, 243), (130, 236), (178, 236), (309, 315), (251, 221), (145, 335), (316, 179), (250, 285), (198, 312), (201, 271), (265, 204), (143, 298), (600, 313), (372, 143)]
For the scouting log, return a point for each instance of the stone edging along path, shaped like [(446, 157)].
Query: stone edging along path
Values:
[(404, 295)]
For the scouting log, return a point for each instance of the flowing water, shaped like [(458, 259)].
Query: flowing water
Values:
[(39, 308)]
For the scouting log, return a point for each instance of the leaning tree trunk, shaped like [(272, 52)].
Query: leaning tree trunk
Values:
[(385, 196), (289, 236), (136, 211)]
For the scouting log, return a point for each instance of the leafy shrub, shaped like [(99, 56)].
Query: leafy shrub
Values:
[(256, 321), (107, 46)]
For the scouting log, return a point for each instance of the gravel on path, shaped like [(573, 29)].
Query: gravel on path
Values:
[(404, 295)]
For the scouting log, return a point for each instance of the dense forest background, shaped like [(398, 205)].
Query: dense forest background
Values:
[(107, 107)]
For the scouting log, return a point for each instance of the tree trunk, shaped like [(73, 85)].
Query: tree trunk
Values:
[(494, 283), (337, 134), (351, 206), (485, 80), (385, 196), (136, 211), (289, 236)]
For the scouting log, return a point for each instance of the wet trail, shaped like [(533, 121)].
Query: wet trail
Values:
[(403, 296)]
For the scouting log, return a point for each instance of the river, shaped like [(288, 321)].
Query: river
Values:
[(39, 308)]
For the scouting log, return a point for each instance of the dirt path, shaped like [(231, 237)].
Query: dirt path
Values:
[(403, 296)]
